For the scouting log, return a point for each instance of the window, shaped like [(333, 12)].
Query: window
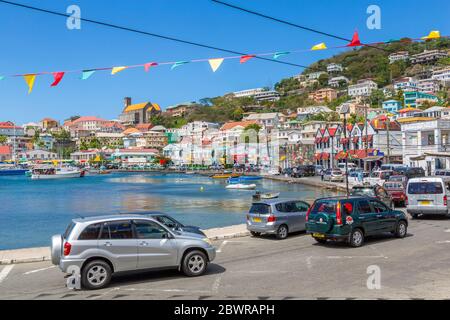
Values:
[(324, 206), (166, 221), (364, 207), (90, 232), (301, 206), (425, 188), (149, 230), (260, 208), (378, 207), (117, 230)]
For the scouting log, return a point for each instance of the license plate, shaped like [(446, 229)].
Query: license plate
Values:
[(257, 220), (424, 203), (318, 235)]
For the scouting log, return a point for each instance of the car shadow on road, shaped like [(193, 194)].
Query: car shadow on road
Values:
[(290, 236), (369, 240), (137, 277)]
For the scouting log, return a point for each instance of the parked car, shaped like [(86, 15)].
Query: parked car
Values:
[(350, 166), (428, 196), (399, 178), (397, 191), (319, 168), (352, 219), (172, 223), (333, 175), (379, 176), (394, 167), (277, 216), (413, 172), (374, 191), (104, 245)]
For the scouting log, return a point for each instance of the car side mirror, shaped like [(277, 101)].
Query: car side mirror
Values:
[(167, 236)]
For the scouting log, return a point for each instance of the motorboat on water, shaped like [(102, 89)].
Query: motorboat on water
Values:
[(12, 170), (46, 173), (241, 186), (225, 175), (265, 196), (240, 179)]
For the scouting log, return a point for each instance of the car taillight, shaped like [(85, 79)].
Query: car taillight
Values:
[(307, 213), (406, 200), (271, 218), (445, 200), (338, 214), (67, 247)]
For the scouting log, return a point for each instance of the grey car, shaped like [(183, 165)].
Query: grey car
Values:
[(277, 216), (101, 246)]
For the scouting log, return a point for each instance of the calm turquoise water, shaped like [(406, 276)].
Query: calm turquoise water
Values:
[(32, 211)]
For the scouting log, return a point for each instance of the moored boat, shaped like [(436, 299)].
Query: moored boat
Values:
[(54, 173), (241, 186), (225, 176), (11, 170)]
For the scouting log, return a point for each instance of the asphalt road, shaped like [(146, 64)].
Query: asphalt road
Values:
[(416, 267)]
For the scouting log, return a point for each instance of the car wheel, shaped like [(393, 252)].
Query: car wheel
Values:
[(194, 263), (321, 241), (356, 238), (282, 232), (414, 216), (255, 234), (401, 230), (96, 275)]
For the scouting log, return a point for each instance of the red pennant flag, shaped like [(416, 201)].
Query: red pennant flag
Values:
[(355, 40), (246, 58), (57, 78), (148, 65)]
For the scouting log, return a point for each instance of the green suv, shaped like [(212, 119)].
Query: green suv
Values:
[(353, 218)]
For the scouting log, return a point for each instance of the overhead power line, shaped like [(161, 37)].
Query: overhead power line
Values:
[(289, 23), (115, 26)]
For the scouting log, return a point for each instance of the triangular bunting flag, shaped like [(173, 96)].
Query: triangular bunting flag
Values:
[(57, 76), (435, 34), (29, 79), (215, 63), (247, 57), (280, 54), (148, 65), (355, 40), (320, 46), (86, 74), (117, 69), (177, 64)]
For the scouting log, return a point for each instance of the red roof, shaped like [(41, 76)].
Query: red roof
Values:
[(88, 118), (5, 150), (231, 125)]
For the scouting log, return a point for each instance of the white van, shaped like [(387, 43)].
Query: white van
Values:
[(428, 196), (379, 177), (341, 166)]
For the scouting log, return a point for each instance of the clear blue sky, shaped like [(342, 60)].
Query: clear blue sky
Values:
[(33, 42)]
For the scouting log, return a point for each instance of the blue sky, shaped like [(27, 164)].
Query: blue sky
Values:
[(33, 42)]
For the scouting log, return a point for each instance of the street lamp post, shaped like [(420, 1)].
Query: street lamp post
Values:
[(344, 111)]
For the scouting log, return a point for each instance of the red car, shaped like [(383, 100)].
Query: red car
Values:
[(397, 191)]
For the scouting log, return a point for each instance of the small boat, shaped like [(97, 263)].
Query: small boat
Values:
[(225, 176), (12, 170), (241, 186), (54, 173), (250, 178), (270, 195)]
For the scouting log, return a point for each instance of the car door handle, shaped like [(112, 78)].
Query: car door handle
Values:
[(107, 244), (143, 243), (379, 216)]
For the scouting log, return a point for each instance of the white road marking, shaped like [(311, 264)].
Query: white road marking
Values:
[(221, 246), (445, 241), (309, 262), (216, 284), (38, 270), (6, 270)]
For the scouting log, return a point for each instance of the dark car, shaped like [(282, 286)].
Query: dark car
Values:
[(412, 172), (351, 219), (397, 191), (398, 178), (172, 223), (375, 191)]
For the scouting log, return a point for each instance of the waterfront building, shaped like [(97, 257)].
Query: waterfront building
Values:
[(111, 139), (5, 153), (337, 82), (425, 144), (323, 95), (46, 141), (334, 68), (155, 139), (415, 99), (428, 56), (84, 156), (392, 106), (134, 114), (38, 155), (112, 127), (398, 56), (327, 146), (134, 156), (362, 88), (15, 136)]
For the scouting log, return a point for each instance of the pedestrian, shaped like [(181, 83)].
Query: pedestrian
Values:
[(321, 174)]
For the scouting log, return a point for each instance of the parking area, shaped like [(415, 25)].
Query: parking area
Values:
[(415, 267)]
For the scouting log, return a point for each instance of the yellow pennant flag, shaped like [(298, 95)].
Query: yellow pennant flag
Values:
[(435, 34), (29, 79), (117, 69), (320, 46), (215, 63)]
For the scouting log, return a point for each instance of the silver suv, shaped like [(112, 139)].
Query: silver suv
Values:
[(103, 245)]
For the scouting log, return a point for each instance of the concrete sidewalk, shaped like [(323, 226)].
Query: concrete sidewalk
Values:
[(314, 182), (43, 253)]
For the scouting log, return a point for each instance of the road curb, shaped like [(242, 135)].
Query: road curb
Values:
[(230, 236), (25, 260)]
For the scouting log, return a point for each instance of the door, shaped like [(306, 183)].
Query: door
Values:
[(367, 217), (156, 247), (385, 216), (300, 215), (117, 240)]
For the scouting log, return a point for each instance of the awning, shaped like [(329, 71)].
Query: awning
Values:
[(355, 139), (372, 158), (437, 154), (318, 140), (345, 140), (341, 155), (325, 156), (317, 156), (367, 138), (418, 158)]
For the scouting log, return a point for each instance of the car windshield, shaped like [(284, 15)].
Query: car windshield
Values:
[(396, 178), (324, 206), (260, 208), (336, 172), (363, 192), (425, 188), (393, 185)]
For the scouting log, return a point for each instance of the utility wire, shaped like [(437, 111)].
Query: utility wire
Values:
[(110, 25), (289, 23)]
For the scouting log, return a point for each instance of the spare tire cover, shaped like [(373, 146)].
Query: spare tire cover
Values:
[(323, 222), (56, 248)]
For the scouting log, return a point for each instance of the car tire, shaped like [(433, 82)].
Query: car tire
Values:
[(414, 216), (194, 263), (356, 238), (282, 232), (255, 234), (401, 230), (321, 241), (96, 275)]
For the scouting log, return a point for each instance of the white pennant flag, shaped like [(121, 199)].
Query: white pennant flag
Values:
[(215, 63)]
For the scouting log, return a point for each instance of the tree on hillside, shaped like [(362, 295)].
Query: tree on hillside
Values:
[(376, 98), (3, 139), (238, 114), (95, 144)]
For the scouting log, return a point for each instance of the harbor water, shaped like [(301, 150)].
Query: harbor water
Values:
[(31, 211)]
